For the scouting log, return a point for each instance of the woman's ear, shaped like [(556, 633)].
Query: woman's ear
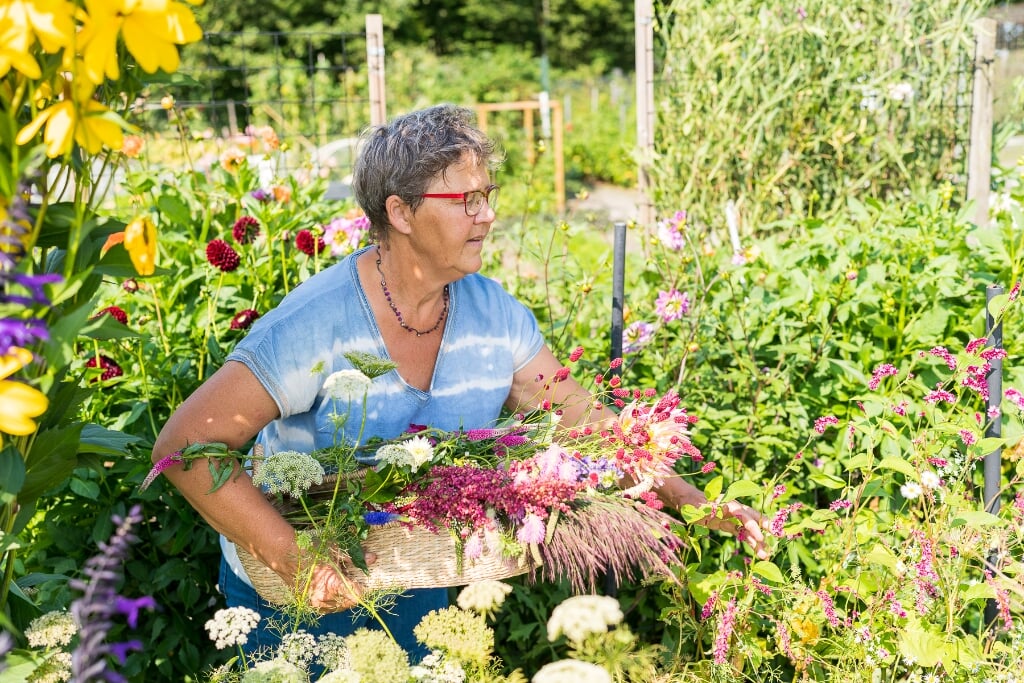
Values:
[(399, 214)]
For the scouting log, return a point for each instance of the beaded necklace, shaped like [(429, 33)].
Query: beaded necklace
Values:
[(398, 313)]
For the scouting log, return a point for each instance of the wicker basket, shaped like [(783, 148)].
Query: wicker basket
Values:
[(407, 557)]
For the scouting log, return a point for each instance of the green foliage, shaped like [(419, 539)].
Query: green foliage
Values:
[(790, 110)]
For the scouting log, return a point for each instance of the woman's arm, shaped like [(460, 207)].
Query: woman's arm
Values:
[(230, 408)]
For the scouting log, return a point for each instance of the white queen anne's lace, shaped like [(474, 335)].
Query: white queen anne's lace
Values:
[(231, 626)]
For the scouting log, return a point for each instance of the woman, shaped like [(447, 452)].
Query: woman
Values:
[(464, 350)]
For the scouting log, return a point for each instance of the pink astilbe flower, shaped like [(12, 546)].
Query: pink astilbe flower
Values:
[(975, 344), (161, 465), (709, 606), (576, 354), (778, 522), (968, 437), (1015, 397), (724, 635)]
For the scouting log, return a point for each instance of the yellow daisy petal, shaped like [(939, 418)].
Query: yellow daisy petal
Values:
[(18, 404), (14, 361), (140, 241)]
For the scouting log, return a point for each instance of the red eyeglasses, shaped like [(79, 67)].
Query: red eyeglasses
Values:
[(473, 200)]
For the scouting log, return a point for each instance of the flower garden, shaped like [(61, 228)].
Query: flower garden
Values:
[(836, 366)]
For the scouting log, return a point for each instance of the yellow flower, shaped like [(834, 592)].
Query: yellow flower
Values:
[(151, 30), (78, 119), (140, 241), (23, 22), (19, 403)]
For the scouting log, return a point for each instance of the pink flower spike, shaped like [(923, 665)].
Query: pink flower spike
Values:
[(161, 465)]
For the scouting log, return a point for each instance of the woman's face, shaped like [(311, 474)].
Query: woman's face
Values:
[(448, 241)]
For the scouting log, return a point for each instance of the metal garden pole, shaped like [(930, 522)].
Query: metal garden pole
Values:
[(993, 461), (618, 294)]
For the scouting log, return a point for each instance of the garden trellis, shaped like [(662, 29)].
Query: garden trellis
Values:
[(317, 90)]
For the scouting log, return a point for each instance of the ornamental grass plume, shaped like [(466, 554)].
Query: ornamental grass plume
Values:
[(95, 612), (222, 255), (635, 544)]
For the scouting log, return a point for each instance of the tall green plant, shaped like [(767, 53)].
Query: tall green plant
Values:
[(790, 109)]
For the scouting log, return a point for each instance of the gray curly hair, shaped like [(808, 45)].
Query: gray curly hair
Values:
[(403, 156)]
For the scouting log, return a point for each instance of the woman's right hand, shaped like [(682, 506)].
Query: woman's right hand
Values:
[(328, 588)]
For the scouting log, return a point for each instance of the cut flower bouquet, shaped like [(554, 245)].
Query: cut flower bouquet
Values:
[(444, 508)]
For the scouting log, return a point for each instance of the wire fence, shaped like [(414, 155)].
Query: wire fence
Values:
[(304, 91), (1009, 36)]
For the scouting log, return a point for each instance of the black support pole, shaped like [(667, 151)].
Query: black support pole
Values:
[(611, 586)]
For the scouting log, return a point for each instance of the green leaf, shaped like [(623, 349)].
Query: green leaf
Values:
[(743, 487), (102, 441), (51, 460), (923, 646), (879, 554), (988, 445), (714, 488), (974, 519), (899, 465), (768, 570), (12, 474), (85, 488), (979, 591), (693, 514), (860, 461), (827, 480)]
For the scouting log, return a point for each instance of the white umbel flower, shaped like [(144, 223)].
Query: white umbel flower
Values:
[(579, 616), (231, 626), (347, 385), (484, 597), (51, 630), (571, 671), (289, 472)]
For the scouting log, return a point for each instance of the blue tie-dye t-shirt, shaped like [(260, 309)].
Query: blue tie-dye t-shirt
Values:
[(291, 350)]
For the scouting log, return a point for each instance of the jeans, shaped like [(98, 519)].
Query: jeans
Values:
[(401, 618)]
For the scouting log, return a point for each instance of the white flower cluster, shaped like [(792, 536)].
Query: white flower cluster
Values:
[(341, 676), (53, 629), (347, 385), (231, 626), (436, 669), (579, 616), (289, 472), (299, 648), (413, 453), (571, 671), (484, 597), (275, 670), (331, 652), (56, 668), (929, 480)]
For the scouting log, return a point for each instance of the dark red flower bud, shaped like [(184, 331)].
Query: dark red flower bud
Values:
[(110, 367), (308, 243), (243, 319), (245, 229), (221, 255)]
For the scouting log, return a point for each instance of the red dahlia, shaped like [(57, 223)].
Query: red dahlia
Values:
[(308, 243), (115, 312), (245, 229), (110, 367), (220, 255), (243, 319)]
